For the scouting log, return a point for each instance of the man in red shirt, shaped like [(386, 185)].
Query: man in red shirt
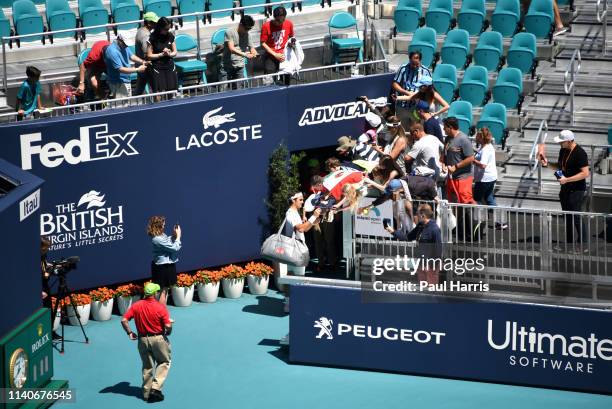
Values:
[(274, 37), (153, 324), (92, 68)]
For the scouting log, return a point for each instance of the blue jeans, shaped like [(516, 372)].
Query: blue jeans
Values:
[(483, 193)]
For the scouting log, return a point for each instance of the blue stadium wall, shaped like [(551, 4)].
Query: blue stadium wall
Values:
[(201, 162)]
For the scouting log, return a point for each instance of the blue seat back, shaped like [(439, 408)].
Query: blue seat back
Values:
[(474, 85), (93, 13), (406, 15), (439, 15), (522, 52), (456, 48), (163, 8), (258, 10), (462, 110), (185, 42), (218, 37), (471, 16), (5, 25), (445, 81), (489, 50), (125, 10), (190, 6), (539, 18), (27, 20), (505, 17), (424, 40), (60, 17), (342, 20), (212, 5), (493, 117), (508, 87)]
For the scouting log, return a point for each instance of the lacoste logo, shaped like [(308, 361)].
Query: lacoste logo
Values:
[(210, 119)]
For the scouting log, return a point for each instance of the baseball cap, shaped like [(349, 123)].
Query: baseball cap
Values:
[(151, 289), (150, 16), (564, 136), (373, 119), (393, 186), (422, 106), (424, 81), (120, 37), (345, 143)]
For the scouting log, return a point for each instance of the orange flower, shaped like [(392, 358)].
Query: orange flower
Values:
[(258, 269), (184, 280), (127, 290), (79, 300), (102, 294), (207, 277), (233, 271)]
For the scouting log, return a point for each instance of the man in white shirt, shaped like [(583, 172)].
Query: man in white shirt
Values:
[(425, 152)]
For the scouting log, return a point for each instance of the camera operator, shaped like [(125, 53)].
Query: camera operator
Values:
[(45, 269)]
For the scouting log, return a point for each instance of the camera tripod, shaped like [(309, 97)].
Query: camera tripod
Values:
[(62, 292)]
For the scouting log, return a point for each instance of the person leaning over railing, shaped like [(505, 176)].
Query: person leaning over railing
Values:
[(237, 47), (406, 82), (161, 51), (91, 70), (117, 57)]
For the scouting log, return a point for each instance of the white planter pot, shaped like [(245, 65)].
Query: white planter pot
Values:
[(232, 287), (208, 292), (182, 296), (102, 311), (57, 320), (83, 310), (125, 302), (258, 285), (280, 270)]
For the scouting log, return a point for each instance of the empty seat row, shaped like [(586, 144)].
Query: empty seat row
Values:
[(506, 18), (488, 52), (474, 88), (493, 116)]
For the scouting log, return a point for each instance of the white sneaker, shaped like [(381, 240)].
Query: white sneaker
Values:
[(284, 340)]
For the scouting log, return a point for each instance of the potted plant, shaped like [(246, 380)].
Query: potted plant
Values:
[(127, 295), (102, 303), (208, 285), (283, 181), (182, 291), (233, 281), (83, 307), (258, 277)]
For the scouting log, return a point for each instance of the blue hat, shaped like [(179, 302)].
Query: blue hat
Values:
[(425, 80), (393, 186), (422, 106)]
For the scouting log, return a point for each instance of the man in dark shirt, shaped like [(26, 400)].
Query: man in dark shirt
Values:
[(458, 158), (430, 122), (153, 324), (574, 165)]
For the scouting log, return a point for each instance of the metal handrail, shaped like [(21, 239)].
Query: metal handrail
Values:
[(602, 17), (147, 98), (533, 159), (569, 79)]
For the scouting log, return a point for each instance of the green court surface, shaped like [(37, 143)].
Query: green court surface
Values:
[(226, 355)]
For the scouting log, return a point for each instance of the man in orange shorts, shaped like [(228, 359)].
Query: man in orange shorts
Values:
[(458, 158)]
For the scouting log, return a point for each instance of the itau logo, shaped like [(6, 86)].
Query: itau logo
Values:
[(325, 326)]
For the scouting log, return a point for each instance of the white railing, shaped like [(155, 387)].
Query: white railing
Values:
[(534, 160), (602, 17), (569, 80)]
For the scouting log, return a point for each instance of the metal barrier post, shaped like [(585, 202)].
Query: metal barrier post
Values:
[(4, 83), (602, 17), (592, 171), (198, 36), (571, 71)]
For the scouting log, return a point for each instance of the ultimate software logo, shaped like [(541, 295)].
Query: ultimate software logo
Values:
[(325, 326)]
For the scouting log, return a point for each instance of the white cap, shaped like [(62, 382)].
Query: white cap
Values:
[(373, 119), (564, 136), (297, 196), (363, 138)]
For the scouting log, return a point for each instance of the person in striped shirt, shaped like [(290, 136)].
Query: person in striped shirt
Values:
[(405, 83)]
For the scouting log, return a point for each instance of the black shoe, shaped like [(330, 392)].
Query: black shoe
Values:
[(155, 396), (56, 336)]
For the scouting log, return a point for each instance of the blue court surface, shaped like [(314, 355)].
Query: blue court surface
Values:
[(226, 355)]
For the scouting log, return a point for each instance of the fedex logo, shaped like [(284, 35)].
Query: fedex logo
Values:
[(94, 143)]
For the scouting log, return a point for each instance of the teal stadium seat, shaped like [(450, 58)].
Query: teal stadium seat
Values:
[(218, 37), (26, 20), (539, 19), (185, 43), (344, 49), (5, 27), (462, 110), (93, 13), (60, 17), (259, 10), (456, 48), (506, 17), (474, 85), (508, 89), (424, 40), (212, 5), (188, 7), (522, 53), (494, 117), (163, 8), (439, 15), (123, 11), (471, 16), (407, 16), (445, 81), (489, 51)]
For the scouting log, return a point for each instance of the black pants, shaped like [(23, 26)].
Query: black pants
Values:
[(141, 83), (325, 244), (572, 201), (271, 65)]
